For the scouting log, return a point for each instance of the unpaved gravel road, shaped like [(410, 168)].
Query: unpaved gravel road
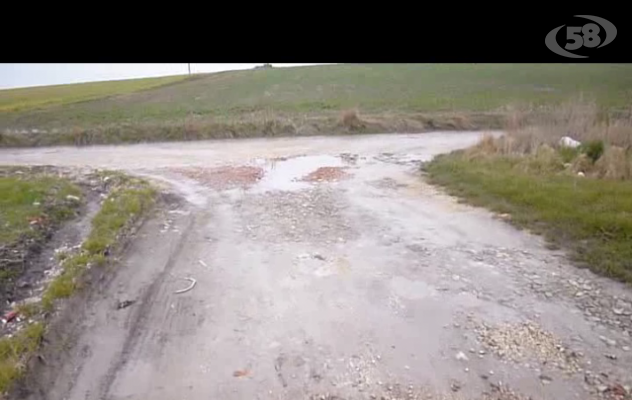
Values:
[(370, 285)]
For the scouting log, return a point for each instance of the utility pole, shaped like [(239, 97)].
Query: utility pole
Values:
[(189, 64)]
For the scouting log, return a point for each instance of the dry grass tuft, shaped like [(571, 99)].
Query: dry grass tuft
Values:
[(579, 119), (582, 163), (488, 145), (619, 133), (534, 139), (545, 160), (350, 119), (615, 163)]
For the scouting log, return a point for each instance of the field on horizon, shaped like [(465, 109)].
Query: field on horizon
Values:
[(38, 97), (298, 100)]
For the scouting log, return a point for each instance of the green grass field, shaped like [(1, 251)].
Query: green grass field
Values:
[(294, 100), (25, 99)]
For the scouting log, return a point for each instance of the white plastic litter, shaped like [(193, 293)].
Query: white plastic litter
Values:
[(569, 142)]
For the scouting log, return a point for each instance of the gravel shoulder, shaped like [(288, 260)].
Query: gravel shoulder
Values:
[(327, 268)]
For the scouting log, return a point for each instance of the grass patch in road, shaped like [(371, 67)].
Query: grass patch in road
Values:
[(24, 99), (26, 201), (591, 217)]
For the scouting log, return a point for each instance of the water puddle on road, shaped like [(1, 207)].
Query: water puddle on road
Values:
[(288, 174), (292, 173)]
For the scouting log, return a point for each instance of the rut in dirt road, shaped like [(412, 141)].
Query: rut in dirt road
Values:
[(325, 268)]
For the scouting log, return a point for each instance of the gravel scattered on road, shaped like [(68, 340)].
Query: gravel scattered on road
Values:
[(527, 341)]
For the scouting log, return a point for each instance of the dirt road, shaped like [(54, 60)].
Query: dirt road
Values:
[(328, 276)]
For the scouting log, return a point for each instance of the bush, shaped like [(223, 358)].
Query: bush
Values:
[(614, 164), (545, 160), (593, 149)]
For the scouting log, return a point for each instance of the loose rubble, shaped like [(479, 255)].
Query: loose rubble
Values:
[(542, 274), (309, 215), (503, 392), (525, 342)]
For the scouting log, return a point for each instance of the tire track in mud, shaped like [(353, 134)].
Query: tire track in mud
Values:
[(137, 332)]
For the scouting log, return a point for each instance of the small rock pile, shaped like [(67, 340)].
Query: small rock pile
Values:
[(525, 341), (542, 274)]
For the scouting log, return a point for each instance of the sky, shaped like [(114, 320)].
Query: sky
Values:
[(24, 75)]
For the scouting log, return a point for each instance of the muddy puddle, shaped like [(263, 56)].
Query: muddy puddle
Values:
[(285, 173), (288, 174), (261, 175)]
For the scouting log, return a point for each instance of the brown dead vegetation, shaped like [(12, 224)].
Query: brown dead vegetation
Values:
[(254, 124), (606, 150)]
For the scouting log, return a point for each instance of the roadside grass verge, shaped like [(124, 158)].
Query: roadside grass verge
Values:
[(31, 207), (128, 199), (258, 124), (15, 350), (591, 217), (123, 207), (577, 198)]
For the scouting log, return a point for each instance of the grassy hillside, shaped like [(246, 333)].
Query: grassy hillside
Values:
[(46, 96), (306, 100)]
